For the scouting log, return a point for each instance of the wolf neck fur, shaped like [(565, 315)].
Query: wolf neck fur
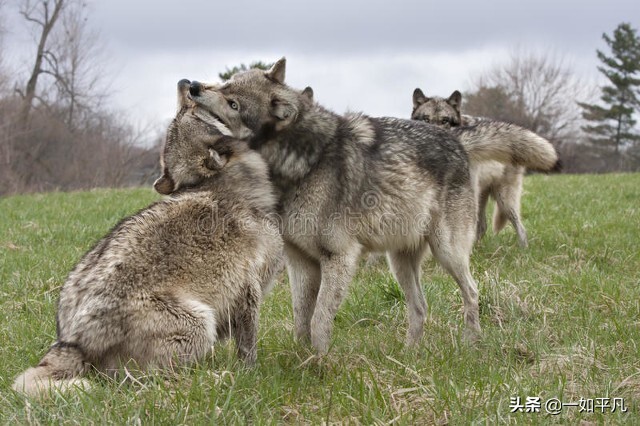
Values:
[(257, 193), (294, 152)]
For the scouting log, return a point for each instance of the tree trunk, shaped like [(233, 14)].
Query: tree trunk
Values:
[(47, 23), (618, 134)]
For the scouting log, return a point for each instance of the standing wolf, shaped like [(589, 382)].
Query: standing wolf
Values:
[(502, 181), (169, 281), (352, 182)]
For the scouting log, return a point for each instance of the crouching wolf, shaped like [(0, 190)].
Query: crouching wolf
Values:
[(501, 181), (352, 182), (169, 281)]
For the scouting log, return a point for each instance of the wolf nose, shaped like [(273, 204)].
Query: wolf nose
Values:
[(195, 88), (183, 84)]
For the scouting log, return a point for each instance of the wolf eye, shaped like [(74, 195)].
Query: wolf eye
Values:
[(426, 119), (445, 120), (234, 105)]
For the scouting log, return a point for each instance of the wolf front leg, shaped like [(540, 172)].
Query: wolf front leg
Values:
[(337, 271), (304, 278), (245, 326)]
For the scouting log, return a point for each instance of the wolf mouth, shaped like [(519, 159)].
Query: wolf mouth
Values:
[(215, 120), (218, 118)]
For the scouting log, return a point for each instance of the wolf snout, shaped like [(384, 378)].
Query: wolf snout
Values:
[(184, 84), (195, 88)]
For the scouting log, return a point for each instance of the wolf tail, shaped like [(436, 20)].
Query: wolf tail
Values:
[(508, 144), (60, 368)]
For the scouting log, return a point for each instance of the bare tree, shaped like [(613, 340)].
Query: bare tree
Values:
[(3, 76), (76, 65), (67, 60), (61, 136), (43, 14), (540, 90), (495, 102)]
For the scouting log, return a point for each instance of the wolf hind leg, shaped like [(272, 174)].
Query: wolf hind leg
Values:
[(337, 270), (304, 279), (182, 331), (452, 250), (406, 267), (508, 208), (481, 229)]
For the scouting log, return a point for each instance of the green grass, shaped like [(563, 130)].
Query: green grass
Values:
[(561, 320)]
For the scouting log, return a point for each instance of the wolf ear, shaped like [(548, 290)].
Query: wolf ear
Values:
[(308, 93), (164, 185), (455, 100), (277, 71), (418, 98), (215, 161), (183, 93), (285, 113)]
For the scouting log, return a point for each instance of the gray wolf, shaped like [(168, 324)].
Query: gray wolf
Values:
[(169, 281), (352, 182), (501, 181)]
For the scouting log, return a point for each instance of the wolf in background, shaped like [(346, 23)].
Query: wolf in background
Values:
[(169, 281), (503, 182), (353, 182)]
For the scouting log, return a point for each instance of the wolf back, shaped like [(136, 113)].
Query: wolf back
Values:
[(497, 168), (359, 182)]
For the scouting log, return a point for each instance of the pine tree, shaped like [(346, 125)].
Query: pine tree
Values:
[(224, 76), (614, 123)]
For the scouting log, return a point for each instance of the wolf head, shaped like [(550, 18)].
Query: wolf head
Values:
[(441, 112), (255, 98), (197, 147)]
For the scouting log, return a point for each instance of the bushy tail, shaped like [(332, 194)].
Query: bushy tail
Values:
[(499, 220), (508, 144), (60, 369)]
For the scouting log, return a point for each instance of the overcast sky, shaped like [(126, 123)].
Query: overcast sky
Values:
[(357, 55)]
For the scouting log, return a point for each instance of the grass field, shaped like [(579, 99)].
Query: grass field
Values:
[(561, 323)]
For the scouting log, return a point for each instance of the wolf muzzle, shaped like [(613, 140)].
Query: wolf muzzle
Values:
[(195, 88)]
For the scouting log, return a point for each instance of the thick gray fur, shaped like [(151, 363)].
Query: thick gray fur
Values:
[(502, 180), (354, 182), (169, 281)]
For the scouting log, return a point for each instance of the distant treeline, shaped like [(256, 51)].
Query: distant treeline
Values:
[(56, 134)]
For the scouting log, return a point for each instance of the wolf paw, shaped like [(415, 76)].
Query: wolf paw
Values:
[(472, 335)]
